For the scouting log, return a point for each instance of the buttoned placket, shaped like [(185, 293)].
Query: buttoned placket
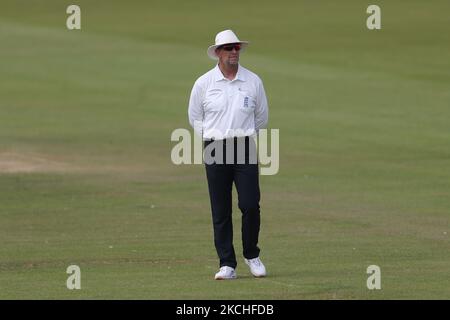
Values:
[(231, 90)]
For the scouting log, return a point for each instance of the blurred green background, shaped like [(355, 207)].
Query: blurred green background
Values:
[(85, 170)]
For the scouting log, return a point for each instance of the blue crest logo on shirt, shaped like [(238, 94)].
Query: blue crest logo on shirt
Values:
[(246, 102)]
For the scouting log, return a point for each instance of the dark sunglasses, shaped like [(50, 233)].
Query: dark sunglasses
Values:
[(230, 47)]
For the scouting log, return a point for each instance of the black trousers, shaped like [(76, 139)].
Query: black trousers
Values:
[(220, 181)]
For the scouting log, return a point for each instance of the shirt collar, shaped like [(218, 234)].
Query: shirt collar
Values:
[(218, 75)]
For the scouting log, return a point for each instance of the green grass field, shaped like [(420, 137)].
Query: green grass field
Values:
[(85, 170)]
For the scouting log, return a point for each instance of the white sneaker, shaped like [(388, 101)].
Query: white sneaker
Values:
[(256, 267), (225, 273)]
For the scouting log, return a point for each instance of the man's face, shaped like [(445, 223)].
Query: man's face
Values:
[(229, 53)]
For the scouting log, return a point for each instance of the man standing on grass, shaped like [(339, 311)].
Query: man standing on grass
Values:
[(227, 107)]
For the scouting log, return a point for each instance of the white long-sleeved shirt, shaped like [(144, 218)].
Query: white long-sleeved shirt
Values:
[(220, 108)]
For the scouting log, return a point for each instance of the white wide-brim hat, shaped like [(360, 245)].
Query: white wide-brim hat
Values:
[(225, 37)]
